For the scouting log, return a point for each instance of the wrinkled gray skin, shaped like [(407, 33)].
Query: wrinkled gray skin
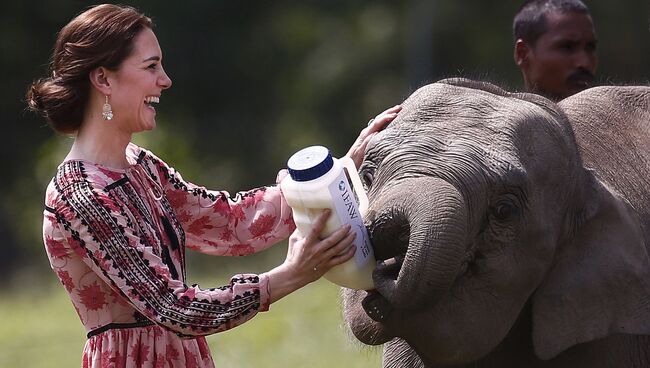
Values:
[(523, 244)]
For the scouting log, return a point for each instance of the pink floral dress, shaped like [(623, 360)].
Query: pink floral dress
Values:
[(116, 240)]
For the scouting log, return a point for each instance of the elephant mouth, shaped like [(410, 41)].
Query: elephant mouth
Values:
[(390, 234), (418, 241), (375, 305)]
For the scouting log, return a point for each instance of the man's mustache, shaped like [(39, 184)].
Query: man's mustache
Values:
[(581, 75)]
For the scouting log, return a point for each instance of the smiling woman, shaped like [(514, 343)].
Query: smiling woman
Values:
[(137, 84), (117, 218)]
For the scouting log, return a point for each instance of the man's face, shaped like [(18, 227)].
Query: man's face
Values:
[(564, 60)]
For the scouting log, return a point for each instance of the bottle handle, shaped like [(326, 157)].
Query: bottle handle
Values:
[(348, 164)]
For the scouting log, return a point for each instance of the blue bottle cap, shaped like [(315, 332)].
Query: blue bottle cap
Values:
[(310, 163)]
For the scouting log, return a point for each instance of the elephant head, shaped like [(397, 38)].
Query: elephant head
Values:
[(481, 215)]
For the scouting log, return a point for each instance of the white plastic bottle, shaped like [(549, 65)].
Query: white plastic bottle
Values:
[(317, 181)]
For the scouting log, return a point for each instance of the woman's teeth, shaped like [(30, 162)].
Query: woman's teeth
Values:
[(151, 100)]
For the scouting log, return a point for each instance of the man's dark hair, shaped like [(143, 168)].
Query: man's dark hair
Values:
[(530, 21)]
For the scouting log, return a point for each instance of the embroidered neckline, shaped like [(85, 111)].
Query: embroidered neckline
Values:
[(134, 155)]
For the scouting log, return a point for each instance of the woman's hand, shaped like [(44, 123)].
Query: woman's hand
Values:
[(358, 149), (281, 175), (309, 258)]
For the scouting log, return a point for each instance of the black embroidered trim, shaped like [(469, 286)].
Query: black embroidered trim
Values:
[(169, 310), (141, 157), (116, 183), (112, 326)]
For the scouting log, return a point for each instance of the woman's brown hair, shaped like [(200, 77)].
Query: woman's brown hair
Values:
[(101, 36)]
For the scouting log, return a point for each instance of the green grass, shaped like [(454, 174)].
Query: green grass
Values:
[(305, 329)]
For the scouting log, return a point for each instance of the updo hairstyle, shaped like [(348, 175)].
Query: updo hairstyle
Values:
[(101, 36)]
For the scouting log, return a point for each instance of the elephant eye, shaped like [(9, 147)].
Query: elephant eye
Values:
[(367, 176), (504, 210)]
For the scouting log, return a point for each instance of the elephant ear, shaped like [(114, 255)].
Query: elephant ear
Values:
[(599, 284)]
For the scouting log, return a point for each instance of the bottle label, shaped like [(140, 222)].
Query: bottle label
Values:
[(348, 213)]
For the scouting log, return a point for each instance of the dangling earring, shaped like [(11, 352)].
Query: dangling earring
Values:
[(107, 110)]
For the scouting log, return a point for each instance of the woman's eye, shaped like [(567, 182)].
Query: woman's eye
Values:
[(504, 210), (152, 66)]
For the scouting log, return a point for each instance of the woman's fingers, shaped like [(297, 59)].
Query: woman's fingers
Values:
[(312, 256), (393, 109), (364, 143), (343, 246), (333, 239), (343, 257), (318, 227), (281, 175), (381, 120), (358, 149), (335, 249)]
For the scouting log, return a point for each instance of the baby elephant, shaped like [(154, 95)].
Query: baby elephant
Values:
[(513, 232)]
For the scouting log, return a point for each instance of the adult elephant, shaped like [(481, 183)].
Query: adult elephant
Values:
[(506, 239)]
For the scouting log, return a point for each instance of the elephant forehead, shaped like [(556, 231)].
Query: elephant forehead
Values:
[(449, 100), (477, 115), (498, 125), (441, 106), (490, 149)]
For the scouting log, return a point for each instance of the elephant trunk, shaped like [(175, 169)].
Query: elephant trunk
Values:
[(435, 222)]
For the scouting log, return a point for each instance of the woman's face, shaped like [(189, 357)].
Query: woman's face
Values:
[(137, 85)]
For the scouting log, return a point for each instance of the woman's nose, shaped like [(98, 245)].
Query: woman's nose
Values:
[(164, 81)]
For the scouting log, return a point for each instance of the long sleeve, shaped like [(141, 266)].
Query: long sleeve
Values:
[(217, 224), (98, 227)]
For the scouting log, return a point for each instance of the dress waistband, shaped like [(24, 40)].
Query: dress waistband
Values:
[(112, 326)]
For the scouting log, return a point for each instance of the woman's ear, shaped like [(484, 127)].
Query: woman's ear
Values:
[(100, 80)]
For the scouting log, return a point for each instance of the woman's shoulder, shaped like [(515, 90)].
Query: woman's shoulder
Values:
[(144, 156), (77, 176), (73, 176)]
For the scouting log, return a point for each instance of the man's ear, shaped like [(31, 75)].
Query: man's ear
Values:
[(521, 52), (100, 80)]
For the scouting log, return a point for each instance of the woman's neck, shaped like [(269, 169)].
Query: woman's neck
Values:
[(101, 143)]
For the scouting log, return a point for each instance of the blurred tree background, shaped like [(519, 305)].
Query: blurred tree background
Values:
[(255, 81)]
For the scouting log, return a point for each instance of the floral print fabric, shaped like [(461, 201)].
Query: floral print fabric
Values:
[(116, 240), (149, 346)]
